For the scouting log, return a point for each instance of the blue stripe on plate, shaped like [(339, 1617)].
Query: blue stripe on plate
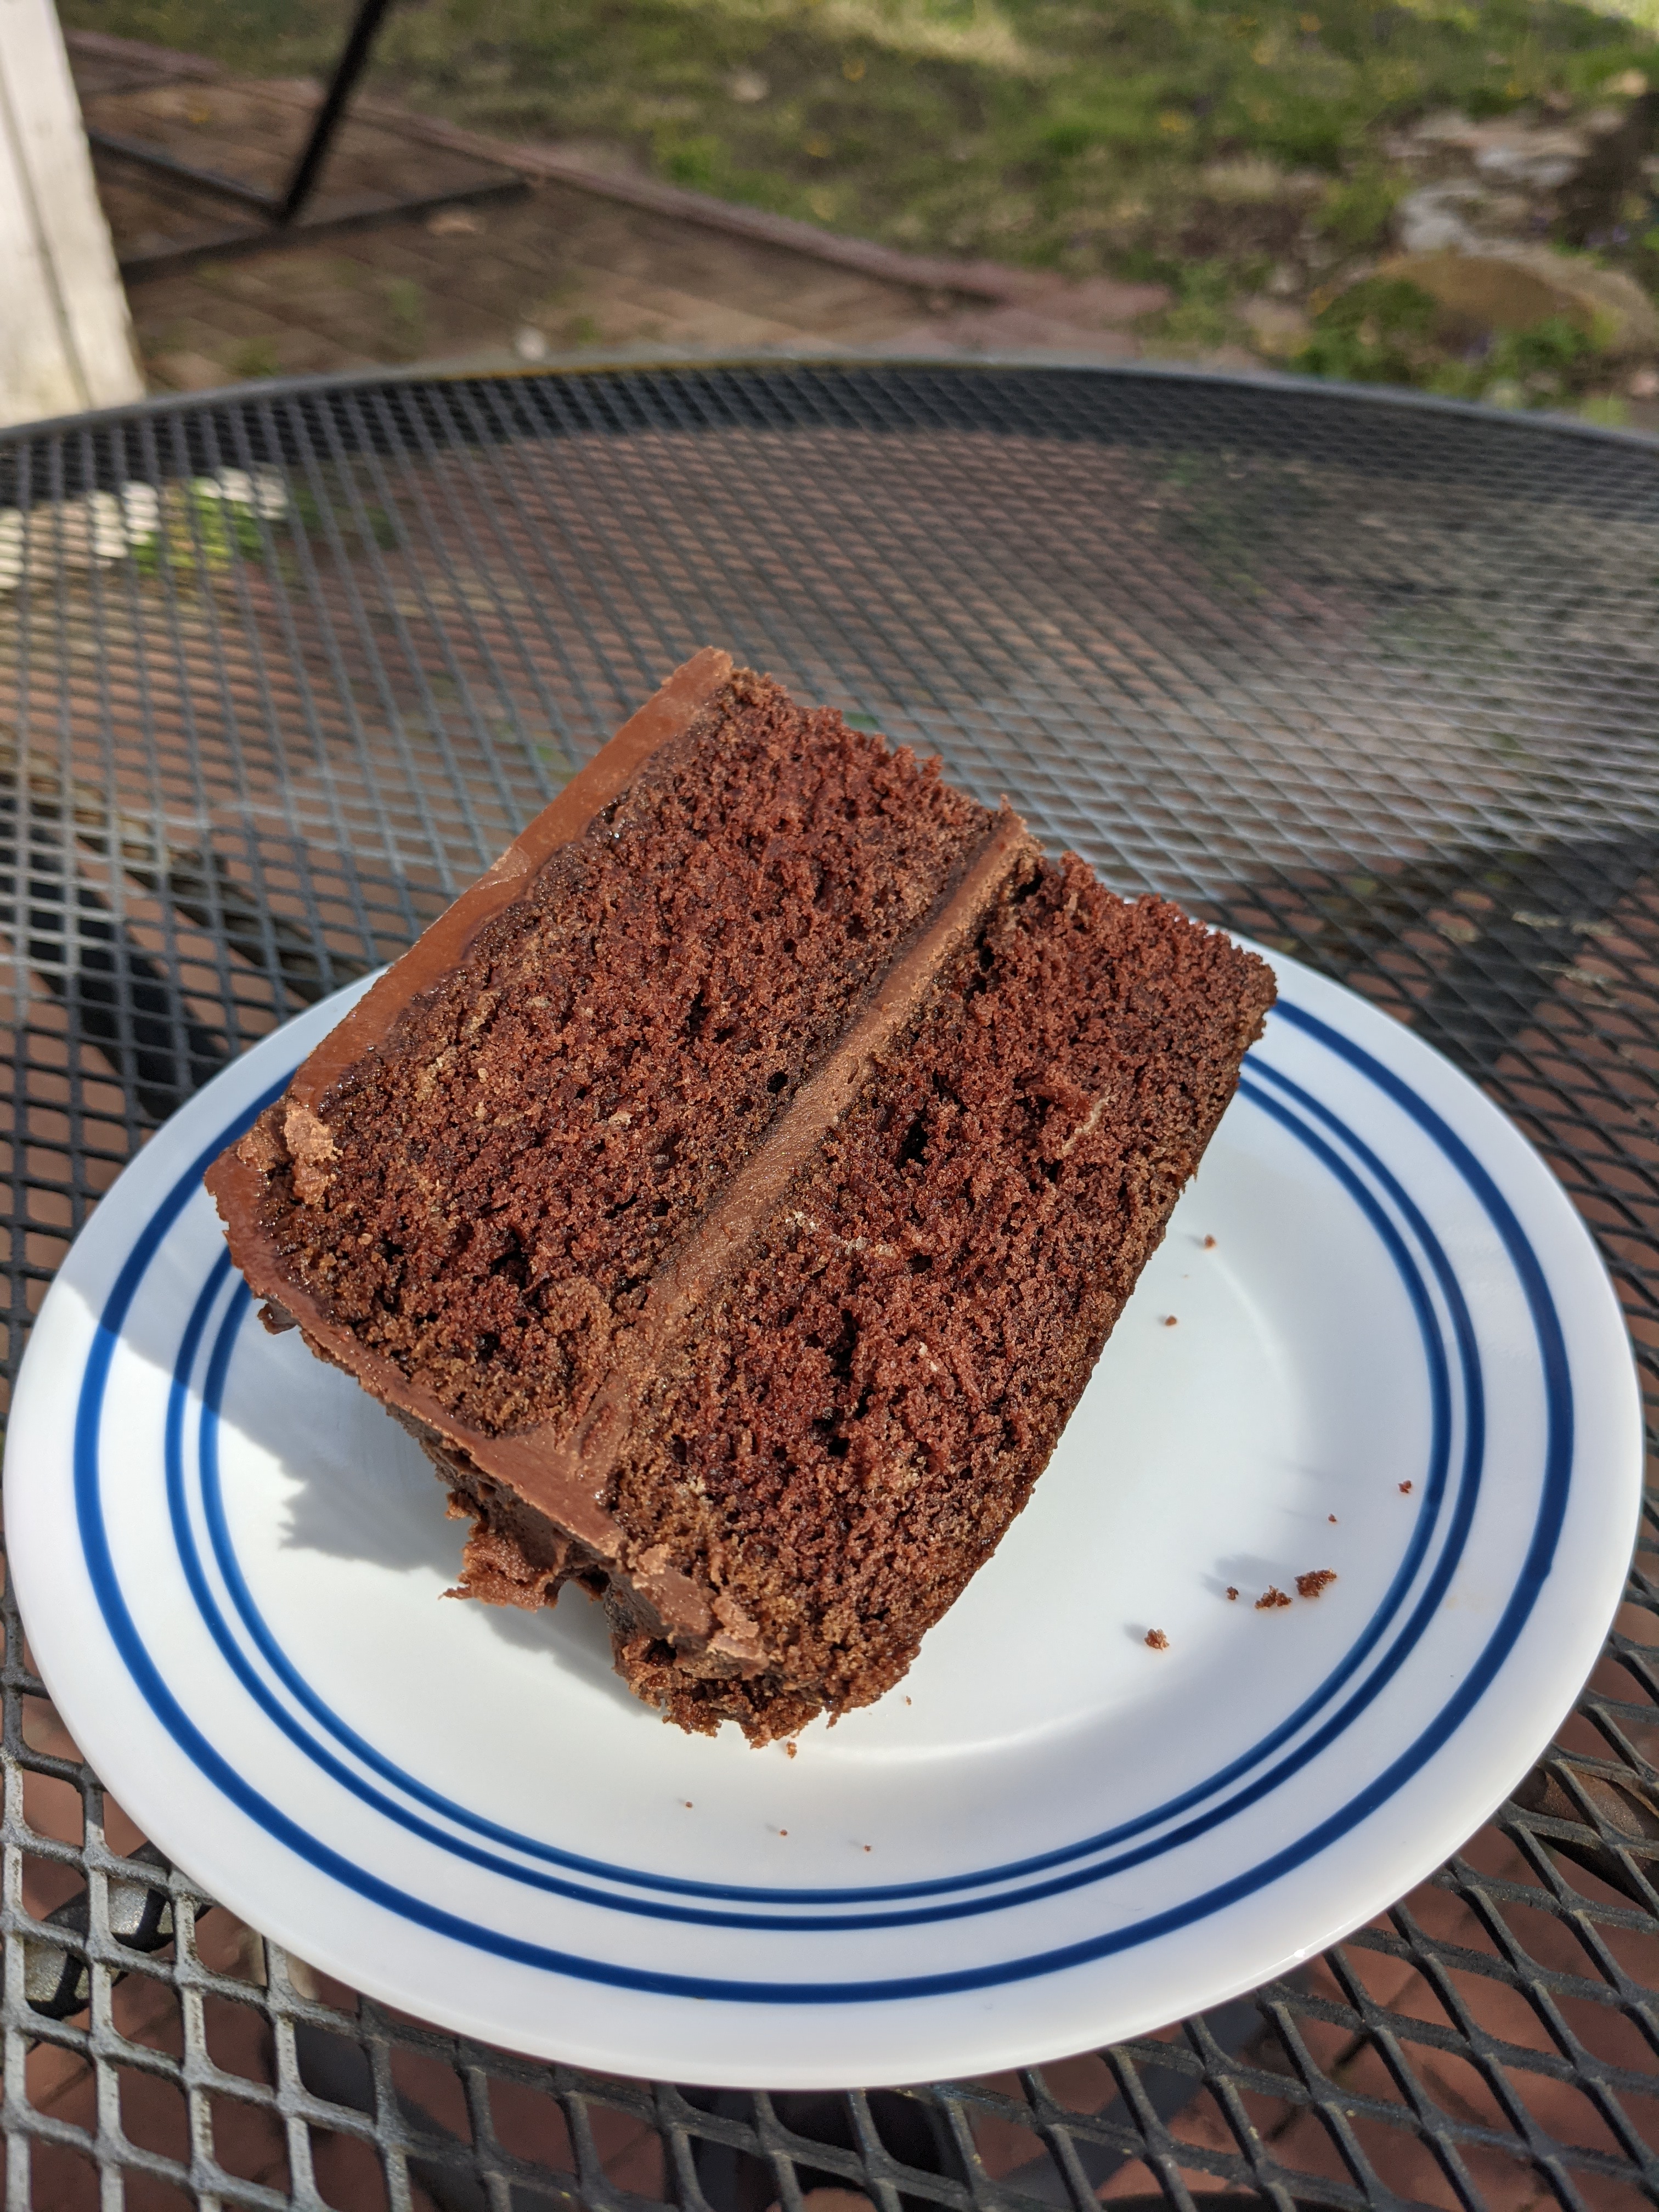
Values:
[(1451, 1715), (1434, 1490)]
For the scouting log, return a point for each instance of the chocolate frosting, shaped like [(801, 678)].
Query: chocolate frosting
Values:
[(561, 1475), (444, 945)]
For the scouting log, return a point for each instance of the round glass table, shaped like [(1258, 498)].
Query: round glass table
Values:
[(1373, 680)]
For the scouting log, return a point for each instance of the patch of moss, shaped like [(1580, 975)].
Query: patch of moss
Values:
[(1201, 317), (1387, 331), (1380, 331), (255, 357)]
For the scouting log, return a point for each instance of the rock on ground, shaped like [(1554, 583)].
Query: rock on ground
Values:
[(1513, 289)]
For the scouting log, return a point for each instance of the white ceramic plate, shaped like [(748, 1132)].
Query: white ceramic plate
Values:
[(1400, 1359)]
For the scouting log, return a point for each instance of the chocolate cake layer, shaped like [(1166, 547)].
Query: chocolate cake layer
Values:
[(734, 1190), (945, 1275)]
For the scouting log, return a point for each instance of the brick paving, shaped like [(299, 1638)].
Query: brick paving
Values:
[(556, 272), (559, 271)]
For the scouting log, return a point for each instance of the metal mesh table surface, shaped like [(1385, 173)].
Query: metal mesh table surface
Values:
[(1377, 684)]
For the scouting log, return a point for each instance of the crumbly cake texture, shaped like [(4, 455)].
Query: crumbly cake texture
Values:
[(734, 1192), (548, 1120)]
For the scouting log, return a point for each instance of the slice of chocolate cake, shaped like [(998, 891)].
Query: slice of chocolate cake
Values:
[(733, 1190)]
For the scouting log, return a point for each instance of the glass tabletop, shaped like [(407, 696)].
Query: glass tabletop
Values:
[(1375, 681)]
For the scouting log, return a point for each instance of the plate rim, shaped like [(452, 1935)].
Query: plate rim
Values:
[(1491, 1120), (1365, 1642)]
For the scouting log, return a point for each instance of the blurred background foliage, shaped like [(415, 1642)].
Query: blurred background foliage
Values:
[(1142, 137)]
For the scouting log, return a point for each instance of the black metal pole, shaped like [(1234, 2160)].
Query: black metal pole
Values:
[(204, 180), (347, 70)]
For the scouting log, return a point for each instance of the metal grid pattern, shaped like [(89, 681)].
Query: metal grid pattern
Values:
[(1378, 684)]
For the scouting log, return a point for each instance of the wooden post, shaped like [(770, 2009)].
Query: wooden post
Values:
[(65, 339)]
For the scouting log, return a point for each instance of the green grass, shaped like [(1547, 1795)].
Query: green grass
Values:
[(1146, 135), (1382, 330)]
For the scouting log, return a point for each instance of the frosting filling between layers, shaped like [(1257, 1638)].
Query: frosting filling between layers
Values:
[(554, 1462)]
